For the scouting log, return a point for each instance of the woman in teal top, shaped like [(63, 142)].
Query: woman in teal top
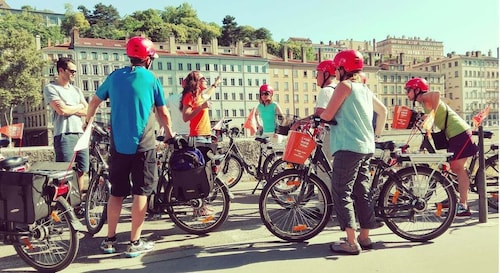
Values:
[(352, 143), (267, 113)]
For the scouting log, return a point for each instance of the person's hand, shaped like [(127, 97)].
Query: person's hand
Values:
[(206, 104)]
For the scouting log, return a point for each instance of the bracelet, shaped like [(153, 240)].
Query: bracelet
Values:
[(214, 86)]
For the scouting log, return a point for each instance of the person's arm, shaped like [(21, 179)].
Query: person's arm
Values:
[(210, 91), (381, 111), (92, 109), (188, 112), (430, 100), (341, 93), (165, 121), (67, 110)]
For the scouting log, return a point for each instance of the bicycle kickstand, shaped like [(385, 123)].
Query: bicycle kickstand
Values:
[(257, 185)]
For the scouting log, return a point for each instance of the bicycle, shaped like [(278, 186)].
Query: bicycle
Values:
[(99, 185), (491, 166), (408, 199), (234, 164), (43, 229), (198, 215)]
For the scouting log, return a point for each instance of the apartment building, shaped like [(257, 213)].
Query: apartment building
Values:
[(471, 82), (410, 50)]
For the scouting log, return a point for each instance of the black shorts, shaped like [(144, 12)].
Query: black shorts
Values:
[(140, 167)]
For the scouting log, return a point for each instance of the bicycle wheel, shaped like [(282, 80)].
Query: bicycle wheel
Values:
[(199, 216), (232, 170), (269, 161), (97, 203), (280, 166), (52, 243), (491, 180), (300, 213), (412, 206)]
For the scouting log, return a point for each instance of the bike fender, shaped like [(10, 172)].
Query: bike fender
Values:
[(73, 220)]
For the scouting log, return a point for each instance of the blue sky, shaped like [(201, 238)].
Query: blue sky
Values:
[(461, 25)]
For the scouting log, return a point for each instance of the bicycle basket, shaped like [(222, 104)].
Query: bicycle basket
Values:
[(299, 147), (404, 118)]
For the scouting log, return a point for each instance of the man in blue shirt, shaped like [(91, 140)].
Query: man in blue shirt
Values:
[(134, 94)]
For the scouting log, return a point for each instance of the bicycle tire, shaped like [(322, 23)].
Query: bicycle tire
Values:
[(412, 204), (300, 214), (280, 166), (97, 203), (232, 170), (491, 180), (190, 215), (53, 242), (269, 161)]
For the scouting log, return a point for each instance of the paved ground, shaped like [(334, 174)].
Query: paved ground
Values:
[(243, 244)]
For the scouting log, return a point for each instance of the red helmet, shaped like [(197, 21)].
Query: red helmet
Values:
[(417, 83), (327, 66), (141, 48), (266, 88), (350, 60)]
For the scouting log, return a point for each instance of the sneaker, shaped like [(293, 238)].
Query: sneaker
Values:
[(108, 246), (134, 250), (345, 248), (462, 211), (365, 244)]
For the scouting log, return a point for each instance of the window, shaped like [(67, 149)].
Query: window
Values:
[(105, 56), (233, 96), (116, 57), (160, 66), (225, 97), (224, 67), (189, 67), (84, 69), (256, 69), (197, 66), (96, 85), (83, 55), (94, 55), (286, 88), (232, 81), (240, 82), (264, 69), (216, 67), (249, 82), (217, 96), (249, 68), (234, 112), (287, 98), (95, 69), (231, 67), (170, 81), (180, 67), (207, 67), (169, 66), (85, 85), (106, 69)]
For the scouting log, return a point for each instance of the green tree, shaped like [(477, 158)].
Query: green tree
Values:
[(230, 31), (32, 23), (103, 21), (21, 66)]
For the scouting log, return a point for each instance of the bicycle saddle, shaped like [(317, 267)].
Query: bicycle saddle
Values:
[(386, 145), (12, 162), (263, 140)]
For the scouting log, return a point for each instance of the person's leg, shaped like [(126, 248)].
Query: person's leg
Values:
[(144, 181), (82, 167), (458, 167), (345, 168), (114, 210)]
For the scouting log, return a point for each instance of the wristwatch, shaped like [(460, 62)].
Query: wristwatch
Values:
[(214, 86)]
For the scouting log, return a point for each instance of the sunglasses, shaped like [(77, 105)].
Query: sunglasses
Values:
[(265, 94), (71, 71)]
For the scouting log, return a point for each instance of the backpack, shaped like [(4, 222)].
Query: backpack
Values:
[(191, 178), (186, 159)]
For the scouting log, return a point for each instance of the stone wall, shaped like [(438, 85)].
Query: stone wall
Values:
[(248, 147)]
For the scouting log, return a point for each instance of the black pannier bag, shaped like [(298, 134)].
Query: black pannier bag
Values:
[(190, 176), (24, 196)]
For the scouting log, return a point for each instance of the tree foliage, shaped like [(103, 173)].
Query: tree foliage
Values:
[(21, 66)]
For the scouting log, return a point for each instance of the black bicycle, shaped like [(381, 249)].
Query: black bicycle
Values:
[(408, 200), (491, 166), (38, 217), (99, 186), (198, 215), (234, 163)]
